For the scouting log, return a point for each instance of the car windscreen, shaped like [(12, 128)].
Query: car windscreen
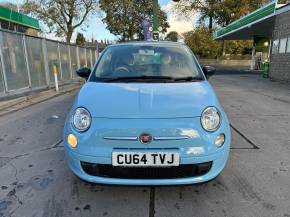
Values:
[(147, 63)]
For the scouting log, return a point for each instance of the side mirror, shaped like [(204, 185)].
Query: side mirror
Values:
[(84, 72), (208, 71)]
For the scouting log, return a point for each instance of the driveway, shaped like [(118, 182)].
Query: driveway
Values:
[(35, 180)]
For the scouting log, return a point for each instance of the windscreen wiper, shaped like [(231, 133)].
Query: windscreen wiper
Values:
[(189, 78), (136, 78), (148, 78)]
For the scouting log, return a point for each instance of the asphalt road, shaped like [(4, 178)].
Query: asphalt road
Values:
[(35, 180)]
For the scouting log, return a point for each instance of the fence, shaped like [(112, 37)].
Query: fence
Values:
[(26, 62), (243, 64)]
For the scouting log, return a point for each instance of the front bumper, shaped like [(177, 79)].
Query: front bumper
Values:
[(218, 160), (198, 148)]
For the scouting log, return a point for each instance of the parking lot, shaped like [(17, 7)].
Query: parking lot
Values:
[(35, 180)]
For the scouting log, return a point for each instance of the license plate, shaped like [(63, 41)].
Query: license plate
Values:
[(157, 159)]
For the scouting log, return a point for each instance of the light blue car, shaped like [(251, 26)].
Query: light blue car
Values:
[(147, 116)]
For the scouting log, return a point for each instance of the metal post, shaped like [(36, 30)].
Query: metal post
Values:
[(85, 49), (60, 68), (91, 58), (27, 61), (78, 57), (269, 54), (97, 53), (70, 62), (45, 57), (155, 16), (253, 57)]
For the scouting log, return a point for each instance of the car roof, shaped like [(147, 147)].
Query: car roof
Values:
[(142, 43)]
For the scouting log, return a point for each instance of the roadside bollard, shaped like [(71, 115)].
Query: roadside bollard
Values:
[(55, 78)]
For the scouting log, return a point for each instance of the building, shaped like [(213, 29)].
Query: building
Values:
[(14, 21), (269, 27)]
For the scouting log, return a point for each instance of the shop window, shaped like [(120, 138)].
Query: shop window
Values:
[(288, 45), (21, 29), (275, 47), (8, 25), (282, 46)]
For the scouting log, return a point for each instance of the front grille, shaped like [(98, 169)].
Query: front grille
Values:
[(182, 171)]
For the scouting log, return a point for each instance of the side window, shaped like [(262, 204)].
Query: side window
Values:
[(105, 64), (275, 47), (288, 45), (282, 46)]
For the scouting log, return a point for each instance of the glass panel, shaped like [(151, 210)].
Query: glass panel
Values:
[(74, 60), (82, 53), (14, 59), (88, 53), (282, 46), (52, 55), (275, 48), (288, 45), (64, 58), (94, 56), (35, 61)]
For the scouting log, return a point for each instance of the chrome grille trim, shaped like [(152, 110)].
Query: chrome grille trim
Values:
[(156, 138), (160, 138), (125, 138)]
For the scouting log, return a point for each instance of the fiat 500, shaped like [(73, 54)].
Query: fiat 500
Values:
[(147, 116)]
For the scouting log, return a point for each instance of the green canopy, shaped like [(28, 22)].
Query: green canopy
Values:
[(18, 18), (257, 23)]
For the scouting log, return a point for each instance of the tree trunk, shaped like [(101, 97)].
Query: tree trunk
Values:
[(130, 33), (69, 35), (210, 24)]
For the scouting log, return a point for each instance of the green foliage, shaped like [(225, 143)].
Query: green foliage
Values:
[(221, 12), (124, 17), (238, 47), (172, 36), (227, 11), (61, 16), (80, 39), (206, 10), (202, 43)]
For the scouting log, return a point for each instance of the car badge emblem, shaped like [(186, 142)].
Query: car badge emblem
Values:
[(145, 138)]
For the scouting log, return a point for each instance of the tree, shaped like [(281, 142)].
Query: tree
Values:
[(227, 11), (124, 17), (61, 16), (172, 36), (80, 39), (205, 8), (9, 5), (201, 42), (221, 12)]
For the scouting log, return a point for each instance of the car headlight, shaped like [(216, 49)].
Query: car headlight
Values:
[(210, 119), (81, 120)]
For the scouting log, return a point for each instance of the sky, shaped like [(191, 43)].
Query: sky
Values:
[(97, 30)]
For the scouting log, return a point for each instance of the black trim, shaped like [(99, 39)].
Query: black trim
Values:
[(181, 171)]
